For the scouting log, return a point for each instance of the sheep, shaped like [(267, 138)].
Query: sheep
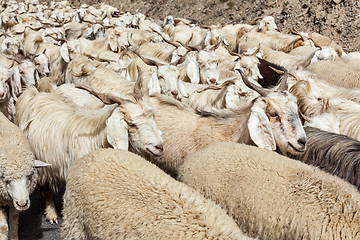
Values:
[(18, 176), (333, 153), (127, 197), (7, 101), (129, 124), (270, 121), (271, 196)]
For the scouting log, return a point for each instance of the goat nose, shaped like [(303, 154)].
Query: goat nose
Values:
[(1, 95), (302, 142), (159, 147), (47, 74), (212, 81), (174, 93)]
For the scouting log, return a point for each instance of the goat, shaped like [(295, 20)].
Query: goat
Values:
[(270, 121), (127, 124)]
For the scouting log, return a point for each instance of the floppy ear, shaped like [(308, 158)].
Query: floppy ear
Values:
[(154, 84), (193, 72), (16, 82), (39, 163), (117, 130), (64, 52), (112, 42), (259, 129), (182, 89), (37, 77)]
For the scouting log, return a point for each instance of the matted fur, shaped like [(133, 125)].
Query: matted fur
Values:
[(274, 197), (115, 194)]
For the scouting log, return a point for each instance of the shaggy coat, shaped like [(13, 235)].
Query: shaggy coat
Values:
[(333, 153), (115, 194), (185, 130), (274, 197)]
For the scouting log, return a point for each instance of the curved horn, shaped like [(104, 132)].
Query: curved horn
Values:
[(44, 51), (256, 51), (214, 47), (147, 60), (303, 116), (283, 86), (57, 39), (191, 37), (252, 86), (255, 20), (189, 48), (138, 94), (180, 60), (233, 53), (219, 87), (165, 40), (106, 98)]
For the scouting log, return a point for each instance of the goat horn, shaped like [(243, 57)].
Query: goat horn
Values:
[(283, 86), (222, 86), (325, 106), (189, 48), (191, 37), (255, 20), (214, 47), (304, 117), (12, 63), (138, 94), (147, 60), (106, 98), (180, 60), (233, 53), (252, 86), (256, 51), (165, 40), (57, 39)]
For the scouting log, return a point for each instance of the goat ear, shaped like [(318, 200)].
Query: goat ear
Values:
[(39, 164), (117, 130), (259, 129), (182, 89), (154, 84), (262, 24), (64, 52), (16, 82), (193, 72), (112, 42)]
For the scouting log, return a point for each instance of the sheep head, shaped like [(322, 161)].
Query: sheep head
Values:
[(274, 122), (18, 175)]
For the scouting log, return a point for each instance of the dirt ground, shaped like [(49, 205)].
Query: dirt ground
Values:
[(339, 19)]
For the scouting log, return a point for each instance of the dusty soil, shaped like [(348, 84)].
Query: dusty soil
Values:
[(339, 19)]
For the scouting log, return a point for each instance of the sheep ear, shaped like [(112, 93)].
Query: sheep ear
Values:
[(117, 130), (259, 129), (39, 164), (112, 42), (154, 84), (192, 70), (64, 52)]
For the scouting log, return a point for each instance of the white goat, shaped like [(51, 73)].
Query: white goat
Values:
[(270, 121), (127, 124)]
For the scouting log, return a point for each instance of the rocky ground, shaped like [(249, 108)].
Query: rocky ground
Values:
[(339, 19)]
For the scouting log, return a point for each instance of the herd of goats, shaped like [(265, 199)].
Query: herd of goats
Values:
[(176, 130)]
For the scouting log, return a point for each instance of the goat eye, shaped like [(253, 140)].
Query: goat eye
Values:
[(131, 124), (273, 114), (7, 181)]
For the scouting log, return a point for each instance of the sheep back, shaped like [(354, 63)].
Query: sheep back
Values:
[(11, 135), (271, 196), (115, 194)]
